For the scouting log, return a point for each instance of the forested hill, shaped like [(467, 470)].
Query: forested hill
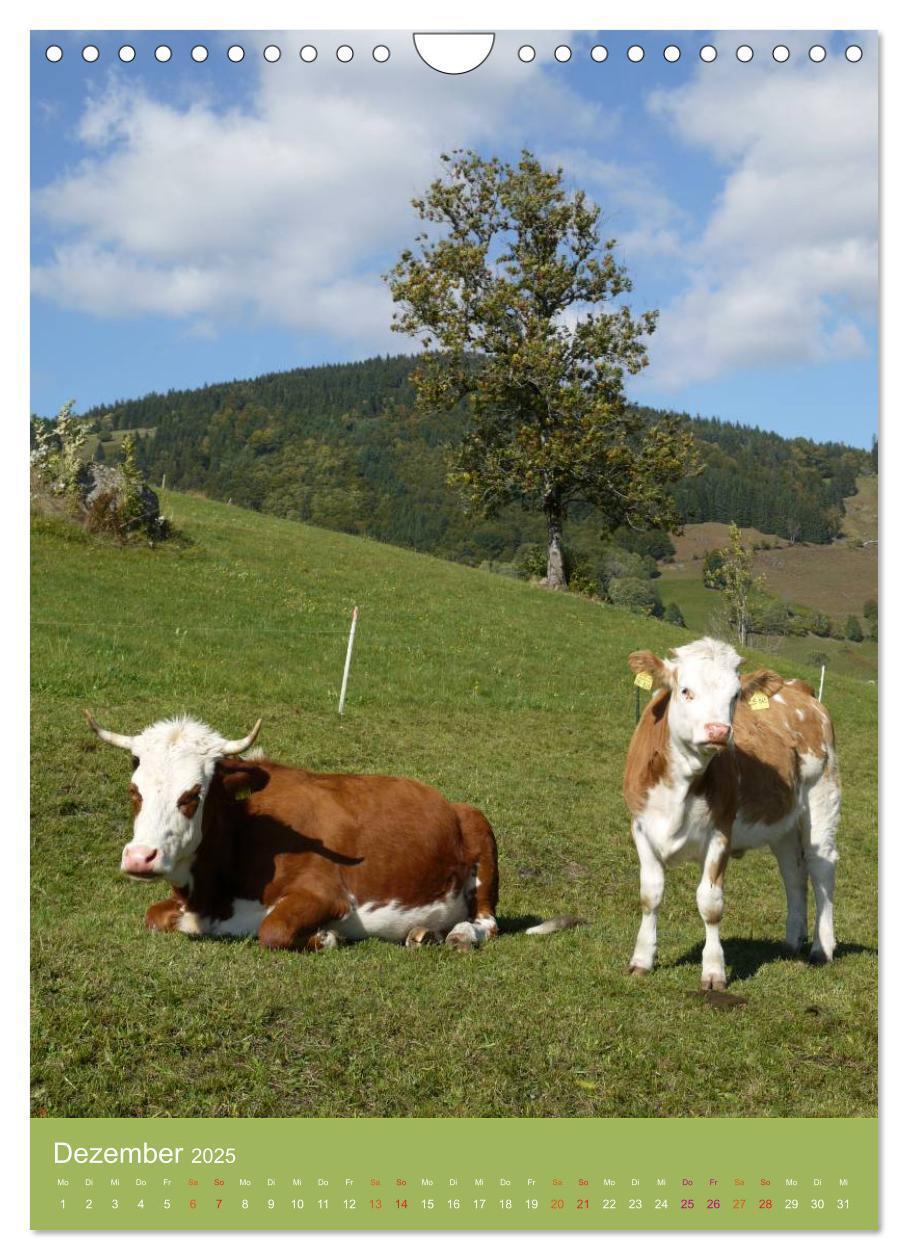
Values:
[(341, 446)]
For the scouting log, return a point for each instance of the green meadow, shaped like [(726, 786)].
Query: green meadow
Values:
[(498, 693)]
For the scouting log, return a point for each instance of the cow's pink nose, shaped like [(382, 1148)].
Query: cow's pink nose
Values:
[(717, 733), (138, 859)]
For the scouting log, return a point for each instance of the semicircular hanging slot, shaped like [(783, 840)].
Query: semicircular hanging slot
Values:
[(453, 52)]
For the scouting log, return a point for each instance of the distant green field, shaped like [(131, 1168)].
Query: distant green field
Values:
[(499, 693)]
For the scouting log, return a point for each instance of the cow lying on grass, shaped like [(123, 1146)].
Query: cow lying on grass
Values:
[(304, 860), (718, 765)]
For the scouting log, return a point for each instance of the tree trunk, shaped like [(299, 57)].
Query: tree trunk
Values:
[(556, 576)]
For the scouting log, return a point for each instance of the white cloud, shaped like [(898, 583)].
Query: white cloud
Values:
[(279, 211), (785, 269), (635, 207), (282, 210)]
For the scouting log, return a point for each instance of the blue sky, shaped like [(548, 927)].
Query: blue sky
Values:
[(199, 222)]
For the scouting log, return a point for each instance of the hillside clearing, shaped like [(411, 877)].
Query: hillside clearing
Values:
[(836, 579), (497, 692)]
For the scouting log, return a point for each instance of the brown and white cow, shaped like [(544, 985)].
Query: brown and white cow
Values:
[(720, 764), (304, 860)]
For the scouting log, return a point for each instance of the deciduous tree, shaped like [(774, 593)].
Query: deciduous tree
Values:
[(513, 293)]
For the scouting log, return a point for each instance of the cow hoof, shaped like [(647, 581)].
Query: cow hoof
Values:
[(420, 936), (633, 969), (462, 938), (714, 983), (794, 948), (819, 958), (325, 939)]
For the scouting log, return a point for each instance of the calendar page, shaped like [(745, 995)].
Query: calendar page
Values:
[(453, 467)]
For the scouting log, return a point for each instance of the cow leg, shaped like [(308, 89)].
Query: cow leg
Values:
[(818, 838), (164, 916), (793, 868), (652, 885), (481, 854), (711, 904), (299, 921)]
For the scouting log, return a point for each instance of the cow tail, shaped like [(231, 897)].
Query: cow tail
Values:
[(559, 924)]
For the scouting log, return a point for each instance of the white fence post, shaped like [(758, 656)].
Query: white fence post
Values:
[(343, 694), (822, 681)]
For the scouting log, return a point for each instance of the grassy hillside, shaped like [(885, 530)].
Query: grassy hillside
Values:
[(498, 693)]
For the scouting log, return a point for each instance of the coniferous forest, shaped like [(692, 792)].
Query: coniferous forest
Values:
[(341, 446)]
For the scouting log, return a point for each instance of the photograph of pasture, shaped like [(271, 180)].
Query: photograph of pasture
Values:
[(561, 374)]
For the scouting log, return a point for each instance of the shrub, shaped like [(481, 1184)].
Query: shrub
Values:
[(637, 594), (770, 616), (819, 624), (872, 617), (579, 572), (56, 457), (618, 563), (531, 560), (853, 630), (674, 615), (713, 564)]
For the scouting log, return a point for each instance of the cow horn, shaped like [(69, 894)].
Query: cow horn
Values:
[(110, 737), (233, 746)]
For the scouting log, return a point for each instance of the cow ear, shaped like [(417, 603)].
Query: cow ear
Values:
[(648, 663), (241, 777), (765, 680)]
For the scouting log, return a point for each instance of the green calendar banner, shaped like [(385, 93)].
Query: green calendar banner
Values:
[(454, 1174)]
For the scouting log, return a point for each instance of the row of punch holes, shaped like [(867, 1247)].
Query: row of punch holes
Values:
[(526, 53)]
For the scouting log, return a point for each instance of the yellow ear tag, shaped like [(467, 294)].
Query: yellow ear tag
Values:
[(644, 681), (759, 700)]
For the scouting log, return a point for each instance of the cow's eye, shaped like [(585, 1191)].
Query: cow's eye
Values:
[(135, 763), (687, 693)]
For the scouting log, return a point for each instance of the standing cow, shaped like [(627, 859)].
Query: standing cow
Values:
[(304, 860), (720, 764)]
